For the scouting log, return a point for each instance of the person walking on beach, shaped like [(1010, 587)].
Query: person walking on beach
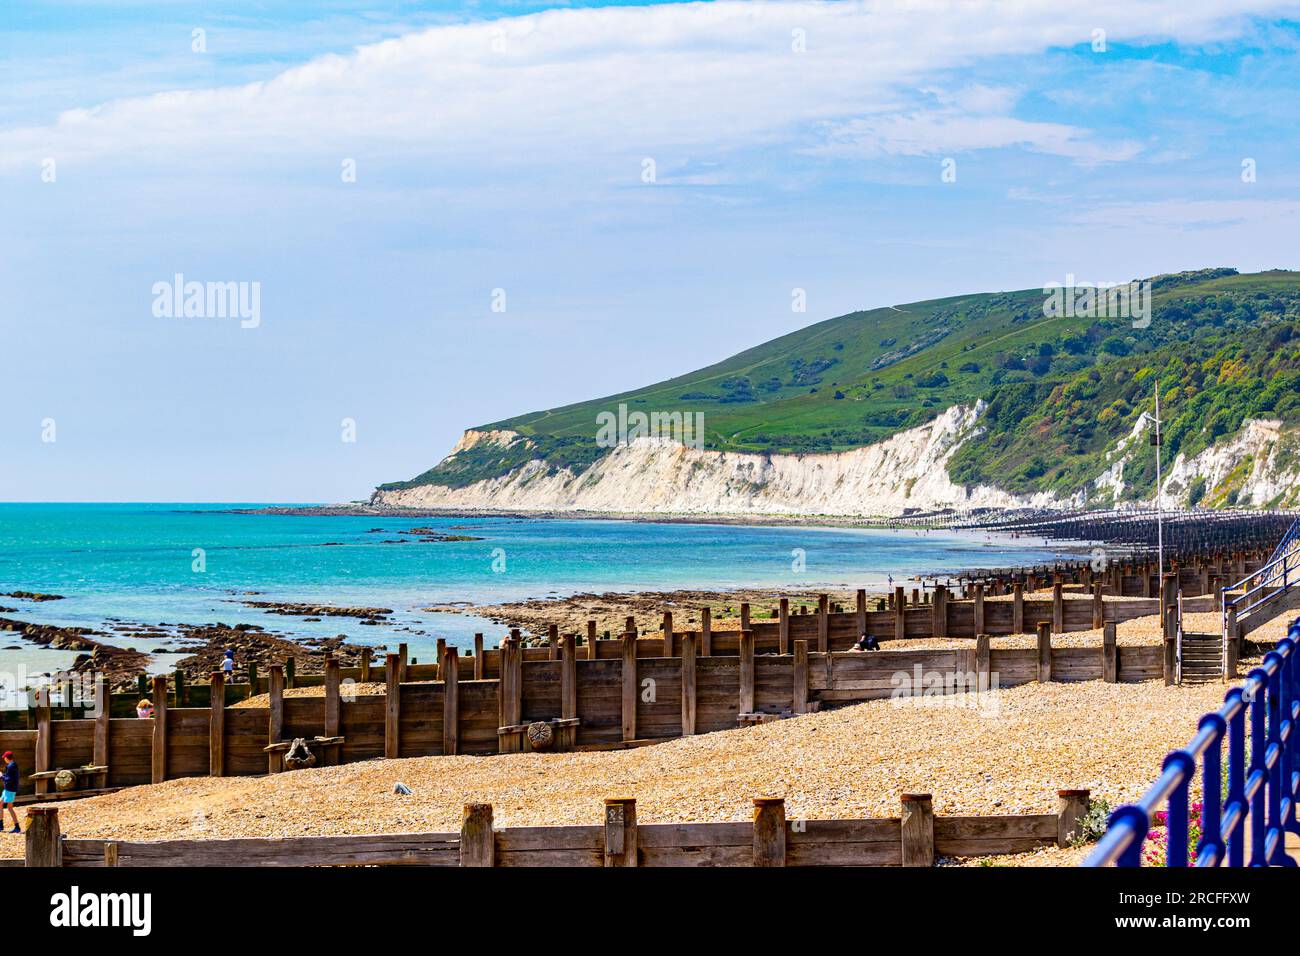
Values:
[(10, 791), (228, 665)]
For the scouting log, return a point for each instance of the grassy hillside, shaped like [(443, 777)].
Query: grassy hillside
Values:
[(1061, 390)]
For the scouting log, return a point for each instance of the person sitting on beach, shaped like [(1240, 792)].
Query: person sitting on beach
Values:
[(866, 643), (228, 665), (144, 708), (10, 791)]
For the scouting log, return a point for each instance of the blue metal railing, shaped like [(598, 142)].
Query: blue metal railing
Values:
[(1259, 806)]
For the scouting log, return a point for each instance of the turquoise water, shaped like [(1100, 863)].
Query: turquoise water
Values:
[(135, 563)]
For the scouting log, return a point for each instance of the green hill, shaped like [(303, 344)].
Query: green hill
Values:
[(1061, 391)]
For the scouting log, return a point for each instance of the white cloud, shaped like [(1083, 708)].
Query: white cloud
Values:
[(596, 87)]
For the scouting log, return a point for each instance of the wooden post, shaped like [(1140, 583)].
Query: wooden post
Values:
[(159, 763), (290, 672), (669, 650), (706, 632), (979, 609), (333, 685), (629, 626), (744, 616), (1233, 651), (392, 705), (800, 695), (510, 702), (568, 688), (216, 725), (939, 612), (401, 662), (620, 832), (918, 829), (1058, 609), (44, 844), (365, 664), (451, 702), (746, 672), (477, 842), (1109, 654), (783, 626), (860, 623), (629, 686), (44, 738), (1017, 608), (982, 662), (1098, 607), (252, 679), (823, 624), (900, 608), (688, 685), (479, 673), (1071, 805), (110, 854), (1171, 645), (553, 642), (179, 678), (591, 640), (1044, 651), (769, 831), (103, 707)]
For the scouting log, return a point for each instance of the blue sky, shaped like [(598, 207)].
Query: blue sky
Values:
[(503, 146)]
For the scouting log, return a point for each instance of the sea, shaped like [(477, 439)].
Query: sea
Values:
[(117, 565)]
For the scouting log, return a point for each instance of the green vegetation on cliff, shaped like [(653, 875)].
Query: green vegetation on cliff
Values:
[(1061, 390)]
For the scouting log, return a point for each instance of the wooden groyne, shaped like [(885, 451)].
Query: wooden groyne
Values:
[(916, 837)]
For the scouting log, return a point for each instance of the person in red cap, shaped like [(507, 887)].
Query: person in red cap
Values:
[(10, 791)]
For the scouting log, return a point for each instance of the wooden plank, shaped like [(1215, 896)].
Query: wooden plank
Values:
[(783, 626), (1109, 659), (669, 646), (44, 758), (706, 632), (1018, 608), (217, 724), (383, 849), (688, 685)]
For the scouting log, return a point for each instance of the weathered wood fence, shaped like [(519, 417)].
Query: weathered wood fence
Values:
[(570, 703), (914, 838)]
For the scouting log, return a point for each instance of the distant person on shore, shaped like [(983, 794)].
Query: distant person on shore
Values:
[(10, 791), (867, 643), (228, 665), (144, 708)]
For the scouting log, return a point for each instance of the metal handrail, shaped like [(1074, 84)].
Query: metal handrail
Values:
[(1263, 790)]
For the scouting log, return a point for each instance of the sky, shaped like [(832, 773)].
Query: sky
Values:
[(453, 213)]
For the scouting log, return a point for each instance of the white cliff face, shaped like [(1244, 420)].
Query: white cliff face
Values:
[(907, 471), (648, 475), (1258, 463)]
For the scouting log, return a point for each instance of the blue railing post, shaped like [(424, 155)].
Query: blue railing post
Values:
[(1236, 838), (1258, 778), (1132, 855), (1212, 795), (1277, 850), (1176, 822)]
